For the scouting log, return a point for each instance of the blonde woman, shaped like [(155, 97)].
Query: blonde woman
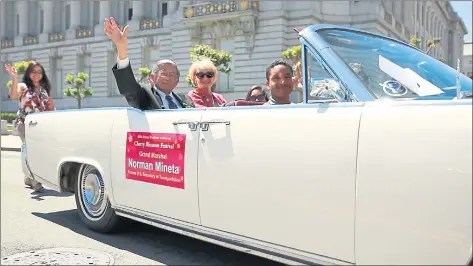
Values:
[(203, 74)]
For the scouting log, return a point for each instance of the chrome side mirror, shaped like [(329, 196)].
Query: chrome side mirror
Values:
[(328, 87)]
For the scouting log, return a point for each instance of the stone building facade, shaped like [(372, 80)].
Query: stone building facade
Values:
[(467, 62), (67, 36)]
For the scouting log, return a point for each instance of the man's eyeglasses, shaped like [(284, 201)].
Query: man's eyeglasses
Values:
[(164, 73), (201, 75)]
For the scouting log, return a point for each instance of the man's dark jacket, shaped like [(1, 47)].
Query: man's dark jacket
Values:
[(143, 97)]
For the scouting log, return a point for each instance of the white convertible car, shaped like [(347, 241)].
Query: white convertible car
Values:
[(373, 167)]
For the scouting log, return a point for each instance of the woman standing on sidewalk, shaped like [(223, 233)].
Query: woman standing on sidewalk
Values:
[(34, 96)]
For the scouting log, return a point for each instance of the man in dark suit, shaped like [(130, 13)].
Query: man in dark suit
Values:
[(163, 78)]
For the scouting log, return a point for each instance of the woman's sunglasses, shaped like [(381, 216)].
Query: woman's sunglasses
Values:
[(260, 97), (201, 75), (34, 71)]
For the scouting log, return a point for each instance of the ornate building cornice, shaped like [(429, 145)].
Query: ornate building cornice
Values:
[(225, 28)]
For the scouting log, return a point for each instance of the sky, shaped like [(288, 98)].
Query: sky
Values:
[(463, 9)]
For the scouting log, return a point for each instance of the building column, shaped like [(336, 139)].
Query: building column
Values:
[(75, 20), (104, 9), (3, 19), (23, 27), (23, 22), (48, 14), (75, 14), (138, 10), (104, 13), (138, 15)]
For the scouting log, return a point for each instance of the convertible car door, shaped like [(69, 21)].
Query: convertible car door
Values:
[(154, 162), (282, 174)]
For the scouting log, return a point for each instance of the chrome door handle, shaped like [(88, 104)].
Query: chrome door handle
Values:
[(191, 124), (32, 123), (205, 124)]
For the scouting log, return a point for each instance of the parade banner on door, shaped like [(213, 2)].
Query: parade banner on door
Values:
[(156, 158)]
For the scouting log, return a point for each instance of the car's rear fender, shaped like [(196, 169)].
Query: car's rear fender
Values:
[(68, 169)]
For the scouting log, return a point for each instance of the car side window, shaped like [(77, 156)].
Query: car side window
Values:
[(315, 75)]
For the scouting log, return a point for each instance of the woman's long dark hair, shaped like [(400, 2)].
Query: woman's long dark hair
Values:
[(256, 87), (44, 82)]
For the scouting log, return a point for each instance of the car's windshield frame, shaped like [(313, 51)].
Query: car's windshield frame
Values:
[(429, 69), (351, 81)]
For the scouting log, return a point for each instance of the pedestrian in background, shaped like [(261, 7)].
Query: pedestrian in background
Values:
[(34, 94), (257, 94)]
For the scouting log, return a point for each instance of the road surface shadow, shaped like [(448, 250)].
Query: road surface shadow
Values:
[(158, 245), (38, 195)]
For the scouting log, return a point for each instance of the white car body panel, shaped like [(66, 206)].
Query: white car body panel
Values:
[(319, 181), (180, 204), (259, 175), (414, 183), (69, 136)]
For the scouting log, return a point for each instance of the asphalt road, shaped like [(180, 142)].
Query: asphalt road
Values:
[(32, 221)]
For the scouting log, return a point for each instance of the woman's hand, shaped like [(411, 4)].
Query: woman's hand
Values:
[(11, 70)]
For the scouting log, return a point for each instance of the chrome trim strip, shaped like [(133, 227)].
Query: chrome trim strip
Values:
[(308, 31), (48, 184), (212, 236), (305, 82)]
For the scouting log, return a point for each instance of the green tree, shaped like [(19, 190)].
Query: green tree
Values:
[(220, 58), (293, 54), (144, 74), (76, 88), (416, 41), (20, 69)]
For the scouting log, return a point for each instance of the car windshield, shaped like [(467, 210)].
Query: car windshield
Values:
[(392, 70)]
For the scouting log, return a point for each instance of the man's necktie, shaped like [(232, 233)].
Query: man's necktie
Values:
[(172, 104)]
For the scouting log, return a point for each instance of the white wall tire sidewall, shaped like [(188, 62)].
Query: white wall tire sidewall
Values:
[(81, 199)]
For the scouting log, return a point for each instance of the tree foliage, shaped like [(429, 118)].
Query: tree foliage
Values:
[(76, 88), (220, 58), (416, 42), (20, 69), (144, 74), (293, 54)]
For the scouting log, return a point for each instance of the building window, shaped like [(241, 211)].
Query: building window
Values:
[(96, 17), (59, 18), (130, 13), (151, 56), (58, 78), (85, 66), (423, 14), (225, 81), (41, 21), (68, 17), (123, 9), (112, 84), (418, 11), (164, 9), (17, 24)]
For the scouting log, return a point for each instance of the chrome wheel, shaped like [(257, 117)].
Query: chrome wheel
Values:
[(92, 192)]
